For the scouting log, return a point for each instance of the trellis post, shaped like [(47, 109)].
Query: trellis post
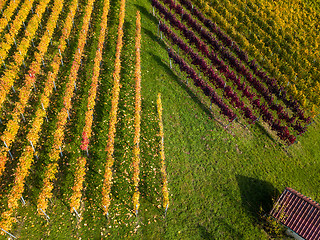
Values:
[(23, 117), (68, 115), (32, 146), (8, 149), (165, 213), (8, 233), (23, 201), (47, 217), (76, 212), (230, 122), (60, 151), (54, 84)]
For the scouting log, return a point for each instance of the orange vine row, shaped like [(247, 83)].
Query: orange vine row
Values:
[(2, 3), (13, 124), (11, 72), (26, 159), (106, 188), (7, 14), (137, 117), (14, 29), (165, 191), (52, 168), (87, 130)]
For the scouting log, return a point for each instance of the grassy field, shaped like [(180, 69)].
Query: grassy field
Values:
[(221, 180)]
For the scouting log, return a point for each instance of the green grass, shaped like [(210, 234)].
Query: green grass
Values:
[(219, 179)]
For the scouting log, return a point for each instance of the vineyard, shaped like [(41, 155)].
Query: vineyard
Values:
[(155, 119)]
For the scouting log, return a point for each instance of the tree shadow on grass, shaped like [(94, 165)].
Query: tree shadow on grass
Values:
[(257, 195)]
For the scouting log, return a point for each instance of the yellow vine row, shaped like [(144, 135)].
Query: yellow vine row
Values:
[(9, 38), (297, 28), (165, 191), (2, 3), (13, 124), (106, 188), (291, 66), (52, 168), (137, 117), (87, 130), (253, 51), (290, 17), (7, 14), (11, 72), (26, 159)]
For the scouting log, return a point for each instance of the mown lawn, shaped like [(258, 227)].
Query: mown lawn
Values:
[(220, 179)]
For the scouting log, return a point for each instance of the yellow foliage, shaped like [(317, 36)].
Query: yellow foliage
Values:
[(165, 191)]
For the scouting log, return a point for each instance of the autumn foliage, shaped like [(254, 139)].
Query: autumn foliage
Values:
[(52, 167), (87, 130), (13, 125), (106, 188), (26, 159), (8, 12), (137, 117), (11, 72), (15, 26), (165, 190)]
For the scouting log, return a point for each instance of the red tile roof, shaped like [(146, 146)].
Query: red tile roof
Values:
[(299, 213)]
